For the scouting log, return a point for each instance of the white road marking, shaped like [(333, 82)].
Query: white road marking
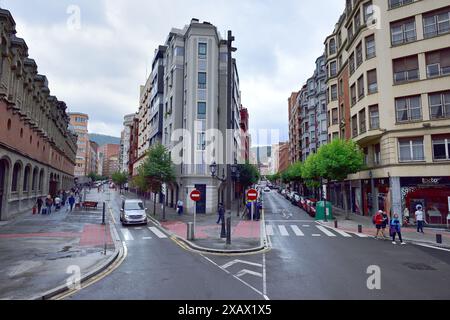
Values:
[(306, 226), (229, 264), (269, 230), (265, 278), (245, 272), (431, 247), (324, 230), (138, 228), (342, 233), (283, 231), (362, 235), (316, 235), (127, 235), (158, 233), (297, 231), (147, 238)]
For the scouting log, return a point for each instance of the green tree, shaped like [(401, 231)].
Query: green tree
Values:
[(310, 171), (158, 169), (94, 177), (120, 178), (337, 160), (249, 175)]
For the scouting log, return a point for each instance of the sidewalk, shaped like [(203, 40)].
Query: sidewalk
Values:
[(409, 234), (245, 235), (40, 253)]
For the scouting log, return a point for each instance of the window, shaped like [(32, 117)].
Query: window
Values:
[(202, 50), (359, 55), (15, 178), (406, 69), (333, 92), (350, 32), (370, 47), (26, 178), (341, 88), (439, 105), (353, 94), (374, 117), (411, 150), (438, 63), (441, 147), (351, 63), (361, 89), (362, 121), (333, 69), (335, 116), (398, 3), (372, 83), (178, 51), (354, 126), (201, 141), (436, 23), (368, 11), (403, 32), (332, 47), (202, 80), (201, 110), (357, 20), (377, 154), (408, 109), (34, 181)]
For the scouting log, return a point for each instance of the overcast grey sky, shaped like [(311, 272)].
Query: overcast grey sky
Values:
[(98, 68)]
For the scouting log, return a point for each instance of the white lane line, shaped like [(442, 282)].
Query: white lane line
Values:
[(362, 235), (127, 235), (316, 235), (245, 272), (324, 230), (269, 230), (158, 233), (138, 228), (147, 238), (283, 231), (265, 278), (306, 226), (297, 231), (229, 264), (342, 233), (431, 247)]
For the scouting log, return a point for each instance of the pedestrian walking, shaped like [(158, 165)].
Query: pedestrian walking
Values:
[(378, 221), (395, 229), (39, 204), (71, 202), (221, 213), (385, 223), (407, 216), (49, 204), (420, 219), (180, 207), (57, 202)]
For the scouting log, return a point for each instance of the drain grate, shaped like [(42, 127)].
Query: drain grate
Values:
[(419, 266)]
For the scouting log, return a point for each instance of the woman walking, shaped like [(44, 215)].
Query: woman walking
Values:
[(396, 229)]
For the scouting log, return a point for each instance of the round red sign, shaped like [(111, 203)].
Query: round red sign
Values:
[(252, 195), (196, 196)]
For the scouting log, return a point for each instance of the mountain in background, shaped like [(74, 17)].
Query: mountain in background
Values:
[(101, 139)]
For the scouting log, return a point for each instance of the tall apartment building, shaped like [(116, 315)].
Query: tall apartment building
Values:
[(79, 124), (283, 156), (295, 133), (125, 143), (194, 86), (92, 165), (245, 136), (110, 156), (388, 63), (37, 149)]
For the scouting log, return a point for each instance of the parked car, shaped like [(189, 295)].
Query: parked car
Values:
[(311, 207), (133, 212), (295, 199), (283, 192), (267, 189)]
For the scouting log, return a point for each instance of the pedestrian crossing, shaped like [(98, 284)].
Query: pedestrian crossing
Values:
[(315, 231), (139, 233)]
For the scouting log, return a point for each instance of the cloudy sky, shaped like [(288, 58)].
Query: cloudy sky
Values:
[(98, 68)]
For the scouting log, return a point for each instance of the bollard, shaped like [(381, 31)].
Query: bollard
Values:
[(359, 228), (439, 238), (223, 232), (190, 231), (104, 214), (228, 231), (335, 224)]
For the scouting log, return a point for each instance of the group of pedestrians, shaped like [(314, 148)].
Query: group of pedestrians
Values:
[(55, 203), (381, 221)]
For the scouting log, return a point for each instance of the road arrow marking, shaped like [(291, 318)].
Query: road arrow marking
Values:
[(245, 272), (229, 264)]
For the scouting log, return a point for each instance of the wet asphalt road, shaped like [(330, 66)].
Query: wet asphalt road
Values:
[(306, 262)]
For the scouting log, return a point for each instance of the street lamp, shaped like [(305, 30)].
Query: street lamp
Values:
[(236, 175), (213, 170)]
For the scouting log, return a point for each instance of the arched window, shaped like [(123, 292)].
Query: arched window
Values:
[(16, 176), (35, 177), (26, 178), (41, 179)]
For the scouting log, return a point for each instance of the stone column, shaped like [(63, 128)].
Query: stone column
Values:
[(396, 196)]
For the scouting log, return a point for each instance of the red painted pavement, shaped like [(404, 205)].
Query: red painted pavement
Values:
[(40, 235), (94, 235), (247, 230)]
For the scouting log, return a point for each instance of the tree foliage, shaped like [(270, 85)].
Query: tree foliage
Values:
[(120, 178), (249, 174), (310, 172)]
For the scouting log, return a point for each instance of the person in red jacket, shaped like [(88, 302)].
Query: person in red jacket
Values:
[(378, 221)]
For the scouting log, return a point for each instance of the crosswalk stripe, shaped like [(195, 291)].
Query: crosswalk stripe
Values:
[(342, 233), (158, 233), (324, 230), (147, 238), (362, 235), (283, 231), (297, 231), (127, 235), (269, 230)]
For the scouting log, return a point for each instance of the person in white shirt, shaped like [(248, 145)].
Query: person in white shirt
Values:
[(180, 207), (420, 219)]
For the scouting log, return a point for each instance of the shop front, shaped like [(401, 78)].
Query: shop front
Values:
[(432, 193)]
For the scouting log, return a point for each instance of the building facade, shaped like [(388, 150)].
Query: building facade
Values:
[(92, 166), (125, 143), (79, 124), (110, 157), (390, 62), (37, 149), (295, 132)]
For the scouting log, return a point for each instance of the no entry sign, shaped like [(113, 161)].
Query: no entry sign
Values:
[(196, 196), (252, 195)]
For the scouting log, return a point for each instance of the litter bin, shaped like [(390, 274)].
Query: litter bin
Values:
[(324, 207), (190, 231)]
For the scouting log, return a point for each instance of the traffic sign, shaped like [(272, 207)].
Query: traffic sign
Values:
[(196, 196), (252, 195)]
